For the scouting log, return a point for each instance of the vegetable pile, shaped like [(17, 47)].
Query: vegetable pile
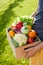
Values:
[(21, 31)]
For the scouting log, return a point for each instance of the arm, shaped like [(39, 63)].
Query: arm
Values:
[(40, 46), (33, 50)]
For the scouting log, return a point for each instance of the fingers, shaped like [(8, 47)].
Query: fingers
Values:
[(30, 52), (28, 55)]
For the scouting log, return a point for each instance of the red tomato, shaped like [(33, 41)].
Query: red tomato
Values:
[(30, 40)]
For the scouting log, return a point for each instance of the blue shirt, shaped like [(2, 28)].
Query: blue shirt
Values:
[(39, 14), (40, 7), (38, 25)]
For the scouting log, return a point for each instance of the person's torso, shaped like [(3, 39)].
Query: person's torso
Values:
[(39, 14)]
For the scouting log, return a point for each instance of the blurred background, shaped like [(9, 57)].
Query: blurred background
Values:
[(9, 10)]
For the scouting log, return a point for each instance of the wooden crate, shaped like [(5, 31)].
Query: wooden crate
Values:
[(18, 52)]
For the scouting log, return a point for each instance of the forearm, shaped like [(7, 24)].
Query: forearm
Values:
[(40, 46)]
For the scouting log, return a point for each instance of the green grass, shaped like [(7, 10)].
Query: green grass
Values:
[(9, 14)]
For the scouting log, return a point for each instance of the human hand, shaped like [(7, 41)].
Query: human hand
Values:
[(31, 52)]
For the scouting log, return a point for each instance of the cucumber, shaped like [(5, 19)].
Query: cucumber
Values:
[(15, 43)]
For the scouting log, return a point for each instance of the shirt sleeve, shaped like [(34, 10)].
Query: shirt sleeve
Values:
[(40, 6)]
